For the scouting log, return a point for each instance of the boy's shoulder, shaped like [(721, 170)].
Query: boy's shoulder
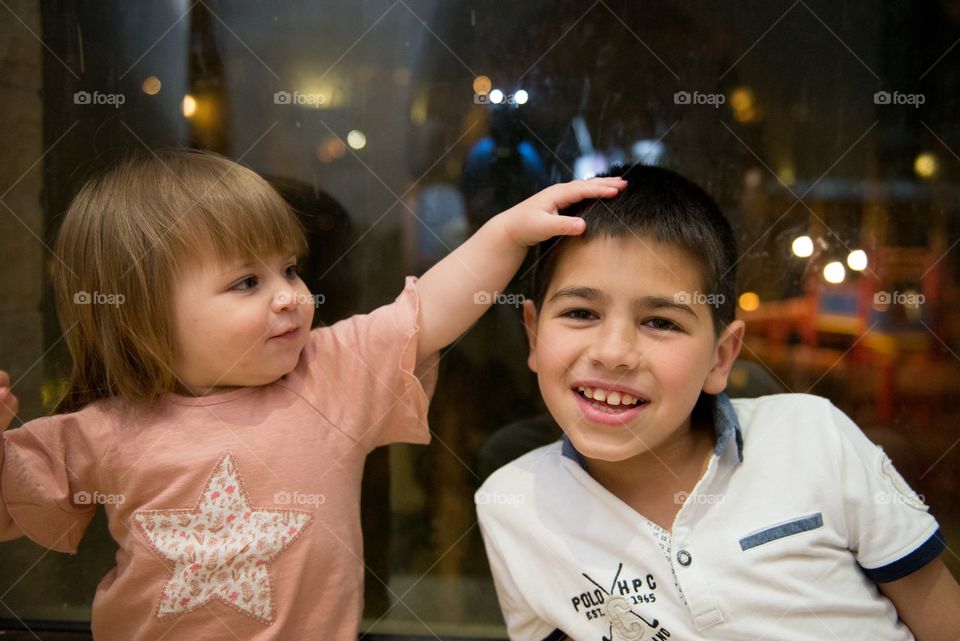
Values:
[(544, 459), (783, 410), (792, 427)]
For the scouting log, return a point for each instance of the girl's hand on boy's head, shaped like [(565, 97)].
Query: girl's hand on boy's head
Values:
[(8, 402), (457, 290), (536, 219)]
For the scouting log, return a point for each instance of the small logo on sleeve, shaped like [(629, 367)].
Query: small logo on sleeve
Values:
[(901, 492)]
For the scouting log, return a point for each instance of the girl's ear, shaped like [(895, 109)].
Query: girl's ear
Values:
[(530, 327), (725, 353)]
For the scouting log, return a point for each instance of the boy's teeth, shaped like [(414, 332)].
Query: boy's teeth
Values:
[(611, 398)]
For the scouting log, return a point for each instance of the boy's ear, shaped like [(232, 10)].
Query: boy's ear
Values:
[(725, 353), (530, 327)]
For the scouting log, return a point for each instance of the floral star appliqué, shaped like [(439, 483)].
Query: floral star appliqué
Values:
[(222, 548)]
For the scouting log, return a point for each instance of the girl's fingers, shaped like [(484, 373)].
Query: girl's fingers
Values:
[(569, 193), (575, 226), (554, 225), (9, 406)]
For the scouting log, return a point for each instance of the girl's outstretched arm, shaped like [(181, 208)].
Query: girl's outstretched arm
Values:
[(456, 291)]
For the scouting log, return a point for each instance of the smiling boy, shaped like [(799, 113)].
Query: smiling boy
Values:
[(668, 510)]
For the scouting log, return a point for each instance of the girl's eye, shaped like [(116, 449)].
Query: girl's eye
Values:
[(662, 324), (579, 314), (247, 283), (292, 272)]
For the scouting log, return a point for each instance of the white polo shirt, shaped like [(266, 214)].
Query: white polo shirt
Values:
[(796, 519)]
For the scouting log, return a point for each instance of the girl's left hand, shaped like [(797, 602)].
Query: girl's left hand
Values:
[(9, 405)]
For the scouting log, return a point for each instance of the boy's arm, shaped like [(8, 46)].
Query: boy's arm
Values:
[(456, 291), (928, 601)]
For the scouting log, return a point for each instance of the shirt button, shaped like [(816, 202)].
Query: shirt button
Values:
[(684, 558)]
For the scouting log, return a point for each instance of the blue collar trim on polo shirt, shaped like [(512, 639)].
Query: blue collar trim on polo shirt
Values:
[(725, 424)]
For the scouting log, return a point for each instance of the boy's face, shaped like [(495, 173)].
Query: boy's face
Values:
[(239, 324), (623, 316)]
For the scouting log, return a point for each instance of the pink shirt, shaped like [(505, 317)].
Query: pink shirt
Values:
[(238, 514)]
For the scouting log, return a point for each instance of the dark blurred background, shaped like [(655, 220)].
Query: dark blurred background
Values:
[(829, 132)]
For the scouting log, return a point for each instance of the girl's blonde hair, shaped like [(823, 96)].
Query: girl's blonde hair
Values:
[(127, 237)]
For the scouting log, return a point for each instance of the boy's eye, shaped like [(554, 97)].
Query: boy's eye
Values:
[(247, 283), (662, 324), (292, 271), (579, 314)]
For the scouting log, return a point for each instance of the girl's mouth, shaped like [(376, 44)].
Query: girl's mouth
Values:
[(293, 333)]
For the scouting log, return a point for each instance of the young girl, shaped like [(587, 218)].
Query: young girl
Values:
[(224, 438)]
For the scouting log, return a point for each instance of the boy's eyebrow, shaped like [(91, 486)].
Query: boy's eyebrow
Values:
[(658, 302), (589, 293), (643, 302)]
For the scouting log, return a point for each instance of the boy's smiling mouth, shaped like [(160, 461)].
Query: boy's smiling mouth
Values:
[(609, 404), (613, 398)]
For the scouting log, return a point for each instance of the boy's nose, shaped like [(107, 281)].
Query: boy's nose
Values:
[(616, 347)]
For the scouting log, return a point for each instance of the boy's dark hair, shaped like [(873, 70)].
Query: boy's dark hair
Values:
[(667, 207)]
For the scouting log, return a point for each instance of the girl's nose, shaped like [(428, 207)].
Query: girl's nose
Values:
[(284, 299)]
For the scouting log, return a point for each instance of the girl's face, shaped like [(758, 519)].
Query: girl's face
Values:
[(239, 324)]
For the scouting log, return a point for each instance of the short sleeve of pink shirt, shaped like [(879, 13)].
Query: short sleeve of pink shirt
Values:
[(236, 513), (43, 465), (370, 362)]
